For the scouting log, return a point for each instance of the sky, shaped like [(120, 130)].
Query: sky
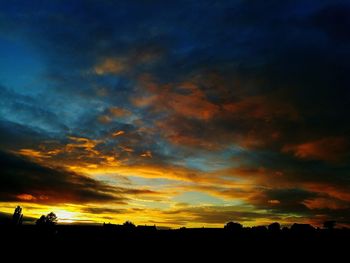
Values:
[(176, 113)]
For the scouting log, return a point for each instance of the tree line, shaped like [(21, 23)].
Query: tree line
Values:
[(50, 220)]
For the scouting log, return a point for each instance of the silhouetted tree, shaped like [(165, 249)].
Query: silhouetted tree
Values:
[(48, 220), (285, 229), (329, 224), (233, 226), (129, 225), (259, 229), (51, 218), (17, 217), (274, 227), (41, 221), (302, 228), (146, 229)]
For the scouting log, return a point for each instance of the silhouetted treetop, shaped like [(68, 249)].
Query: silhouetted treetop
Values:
[(48, 220), (302, 228), (17, 217), (274, 227), (129, 225), (233, 226)]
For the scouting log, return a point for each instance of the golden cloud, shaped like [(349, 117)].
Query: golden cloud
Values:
[(117, 133)]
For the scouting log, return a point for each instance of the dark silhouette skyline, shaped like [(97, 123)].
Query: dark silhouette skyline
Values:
[(50, 220), (146, 241)]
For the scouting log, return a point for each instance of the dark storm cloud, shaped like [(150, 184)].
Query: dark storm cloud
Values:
[(24, 180), (14, 136), (334, 20), (286, 200), (282, 169)]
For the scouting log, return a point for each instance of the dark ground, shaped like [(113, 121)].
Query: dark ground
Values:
[(203, 243)]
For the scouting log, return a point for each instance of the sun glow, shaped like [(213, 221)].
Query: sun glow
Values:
[(64, 216)]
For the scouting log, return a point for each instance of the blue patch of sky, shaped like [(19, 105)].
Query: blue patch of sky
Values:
[(21, 68), (209, 162)]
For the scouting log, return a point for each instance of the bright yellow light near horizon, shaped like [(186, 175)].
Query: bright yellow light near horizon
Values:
[(64, 216)]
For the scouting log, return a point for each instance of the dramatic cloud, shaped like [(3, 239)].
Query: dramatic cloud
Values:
[(184, 113), (27, 181), (23, 180)]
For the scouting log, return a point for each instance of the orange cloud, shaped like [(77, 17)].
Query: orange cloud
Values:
[(274, 202), (26, 197), (330, 149), (113, 113), (191, 102), (110, 66), (118, 133), (183, 139), (340, 192), (261, 107), (126, 149), (187, 107), (187, 133), (79, 152), (144, 101), (321, 203), (119, 112), (185, 99), (104, 119), (33, 153), (83, 143), (126, 62), (147, 154)]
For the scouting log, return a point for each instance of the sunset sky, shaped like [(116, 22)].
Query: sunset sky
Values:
[(176, 113)]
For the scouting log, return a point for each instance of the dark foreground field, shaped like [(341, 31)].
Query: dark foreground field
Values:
[(202, 243)]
